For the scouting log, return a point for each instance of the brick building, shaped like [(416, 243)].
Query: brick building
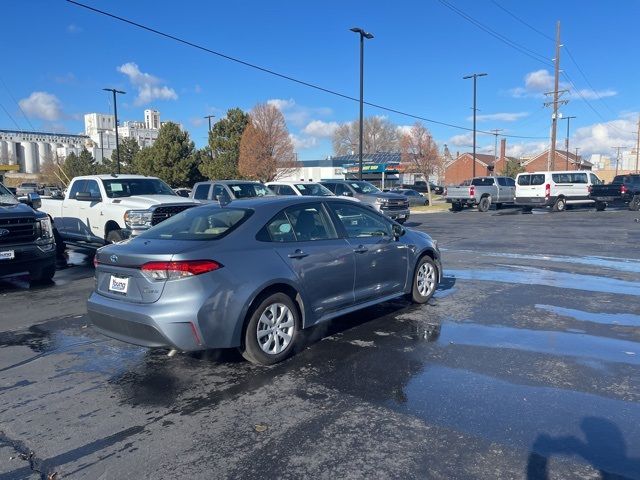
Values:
[(539, 163), (461, 168)]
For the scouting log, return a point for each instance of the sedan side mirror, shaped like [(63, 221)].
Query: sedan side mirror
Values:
[(398, 231), (33, 200)]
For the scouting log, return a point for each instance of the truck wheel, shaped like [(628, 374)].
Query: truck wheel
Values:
[(485, 204), (115, 236), (526, 209), (634, 204), (44, 275), (600, 206), (456, 207), (60, 245), (560, 205)]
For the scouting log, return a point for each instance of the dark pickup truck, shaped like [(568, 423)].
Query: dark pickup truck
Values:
[(624, 190), (26, 238)]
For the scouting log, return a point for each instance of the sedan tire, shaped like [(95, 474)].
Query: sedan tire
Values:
[(272, 330), (425, 280)]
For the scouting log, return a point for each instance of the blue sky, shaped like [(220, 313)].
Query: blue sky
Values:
[(58, 57)]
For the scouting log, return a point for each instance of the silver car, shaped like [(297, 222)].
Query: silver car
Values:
[(254, 273)]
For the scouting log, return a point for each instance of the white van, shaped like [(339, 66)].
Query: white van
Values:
[(554, 189)]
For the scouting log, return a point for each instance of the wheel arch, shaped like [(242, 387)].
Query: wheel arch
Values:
[(110, 226), (279, 286)]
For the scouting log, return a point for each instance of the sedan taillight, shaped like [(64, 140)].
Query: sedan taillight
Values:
[(178, 269)]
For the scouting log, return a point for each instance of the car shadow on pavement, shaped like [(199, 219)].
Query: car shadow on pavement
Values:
[(604, 449)]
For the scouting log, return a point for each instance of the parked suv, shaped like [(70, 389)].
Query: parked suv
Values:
[(554, 189), (212, 191), (26, 238), (393, 205)]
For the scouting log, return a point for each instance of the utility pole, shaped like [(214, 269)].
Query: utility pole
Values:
[(618, 156), (566, 142), (577, 148), (638, 145), (475, 80), (495, 148), (556, 95), (209, 117), (101, 148), (115, 114)]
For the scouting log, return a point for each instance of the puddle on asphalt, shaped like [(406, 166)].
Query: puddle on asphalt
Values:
[(614, 263), (549, 420), (628, 319), (541, 341), (536, 276)]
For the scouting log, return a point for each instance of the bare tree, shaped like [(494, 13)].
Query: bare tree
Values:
[(420, 153), (380, 135), (266, 150)]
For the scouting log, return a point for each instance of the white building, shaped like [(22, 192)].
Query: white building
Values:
[(32, 150)]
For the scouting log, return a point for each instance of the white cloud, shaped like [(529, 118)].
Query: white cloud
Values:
[(148, 85), (404, 129), (538, 82), (462, 140), (282, 104), (302, 143), (42, 105), (500, 117), (601, 137), (318, 128)]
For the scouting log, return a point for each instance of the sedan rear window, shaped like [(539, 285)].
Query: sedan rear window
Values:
[(249, 190), (313, 189), (200, 223)]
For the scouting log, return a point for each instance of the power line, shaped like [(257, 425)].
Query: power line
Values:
[(523, 22), (17, 104), (9, 115), (521, 48), (277, 74)]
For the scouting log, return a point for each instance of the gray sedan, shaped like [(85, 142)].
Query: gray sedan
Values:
[(415, 198), (254, 273)]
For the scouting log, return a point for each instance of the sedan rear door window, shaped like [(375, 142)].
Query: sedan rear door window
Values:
[(359, 222), (301, 223)]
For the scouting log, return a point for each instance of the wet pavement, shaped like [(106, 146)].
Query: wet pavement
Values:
[(525, 365)]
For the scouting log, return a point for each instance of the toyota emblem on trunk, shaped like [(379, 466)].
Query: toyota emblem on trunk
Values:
[(3, 232), (113, 258)]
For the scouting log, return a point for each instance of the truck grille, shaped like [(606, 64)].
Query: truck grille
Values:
[(21, 230), (395, 205), (160, 214)]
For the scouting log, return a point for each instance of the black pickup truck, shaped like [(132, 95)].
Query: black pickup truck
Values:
[(26, 238), (624, 190)]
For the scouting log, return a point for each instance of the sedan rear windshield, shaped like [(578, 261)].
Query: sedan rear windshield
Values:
[(200, 223), (118, 188), (314, 189)]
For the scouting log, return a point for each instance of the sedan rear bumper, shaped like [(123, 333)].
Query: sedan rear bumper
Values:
[(142, 324)]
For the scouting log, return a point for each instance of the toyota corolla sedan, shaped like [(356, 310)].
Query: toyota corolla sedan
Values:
[(253, 274)]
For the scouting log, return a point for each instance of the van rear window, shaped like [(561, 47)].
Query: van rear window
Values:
[(531, 179)]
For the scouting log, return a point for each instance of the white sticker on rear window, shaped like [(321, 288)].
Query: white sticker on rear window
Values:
[(354, 185), (300, 187), (116, 187), (235, 188)]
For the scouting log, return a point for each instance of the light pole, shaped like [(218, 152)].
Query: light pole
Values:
[(368, 36), (209, 117), (475, 79), (115, 114), (568, 119)]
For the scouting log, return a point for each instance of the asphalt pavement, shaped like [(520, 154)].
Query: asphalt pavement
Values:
[(525, 365)]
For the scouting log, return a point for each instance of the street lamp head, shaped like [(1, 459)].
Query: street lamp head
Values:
[(366, 35)]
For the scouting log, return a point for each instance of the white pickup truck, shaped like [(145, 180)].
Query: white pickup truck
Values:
[(100, 209)]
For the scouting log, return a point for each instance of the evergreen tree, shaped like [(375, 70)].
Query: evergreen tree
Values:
[(221, 161), (77, 165)]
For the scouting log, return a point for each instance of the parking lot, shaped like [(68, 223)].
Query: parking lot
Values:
[(525, 364)]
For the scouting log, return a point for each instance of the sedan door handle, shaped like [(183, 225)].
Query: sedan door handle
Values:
[(298, 254), (361, 249)]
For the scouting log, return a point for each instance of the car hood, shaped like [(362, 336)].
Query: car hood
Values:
[(146, 201), (19, 209), (389, 195)]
